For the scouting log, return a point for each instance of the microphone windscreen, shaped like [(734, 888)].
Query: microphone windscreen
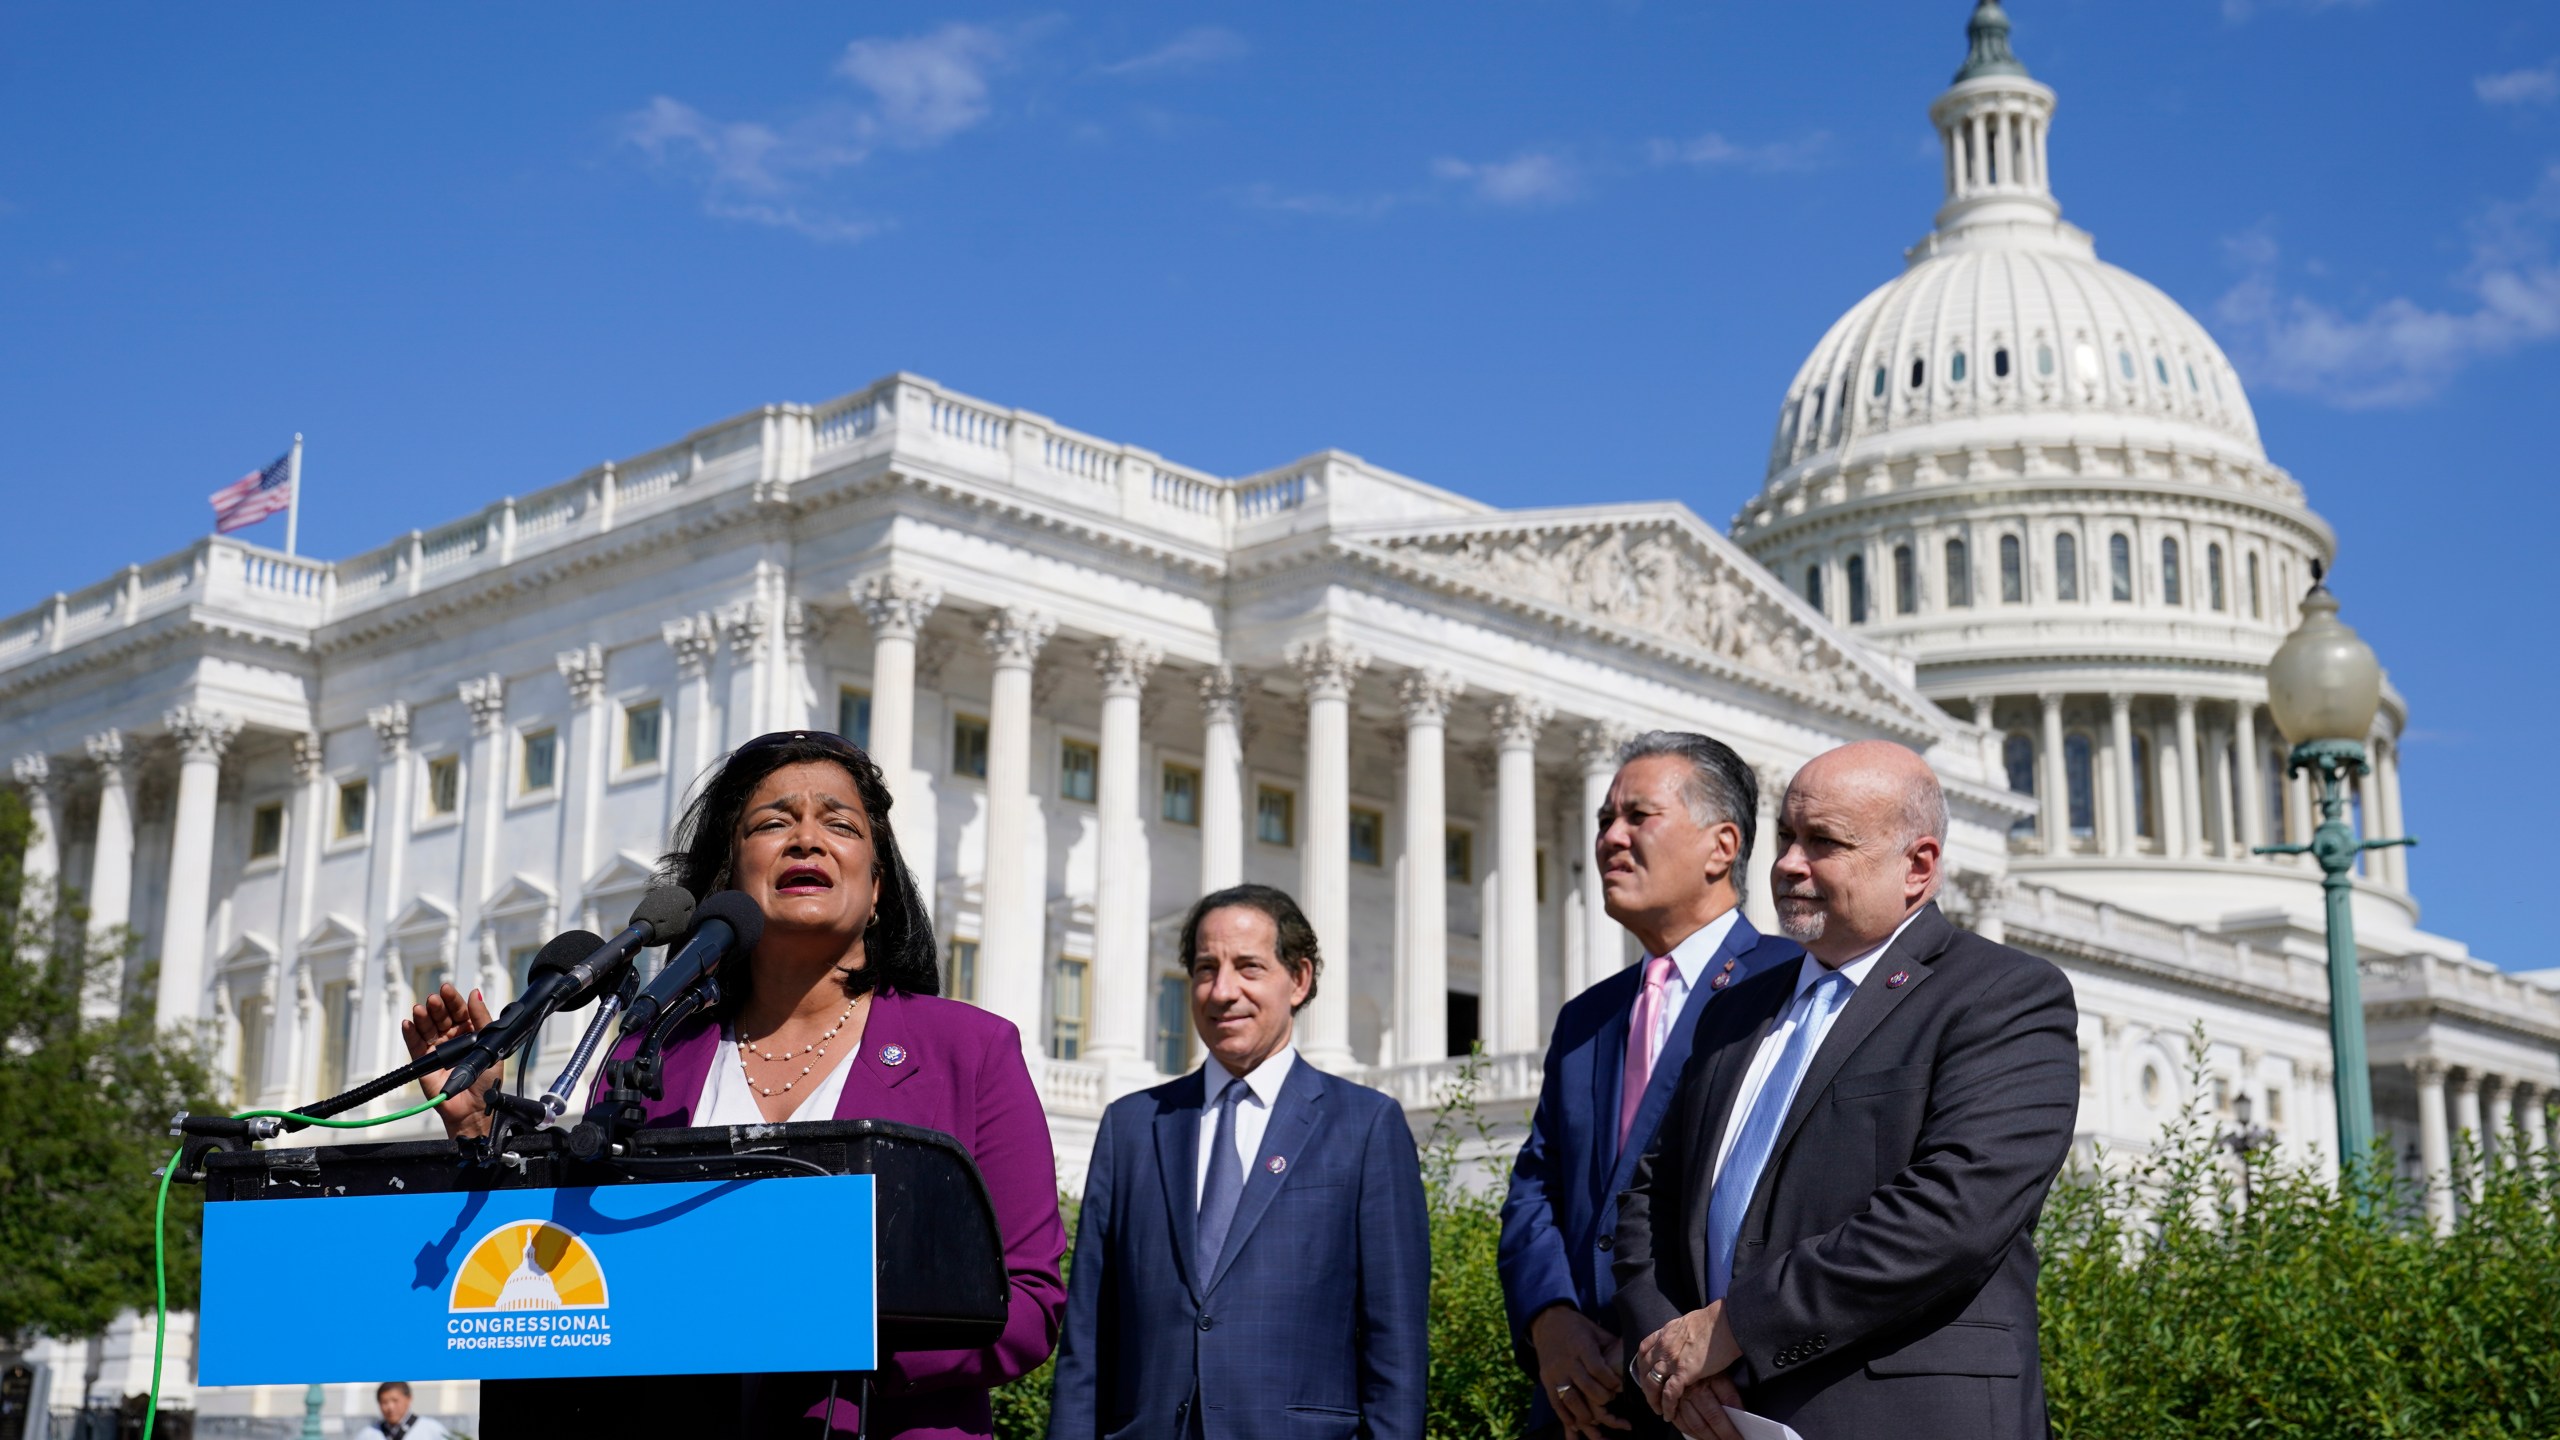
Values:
[(739, 912), (566, 949), (668, 912)]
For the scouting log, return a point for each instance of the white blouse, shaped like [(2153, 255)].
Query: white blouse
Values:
[(728, 1098)]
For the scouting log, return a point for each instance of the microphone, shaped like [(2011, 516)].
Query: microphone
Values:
[(663, 914), (567, 975), (726, 923)]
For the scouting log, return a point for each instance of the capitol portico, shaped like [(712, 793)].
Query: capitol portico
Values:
[(2017, 515)]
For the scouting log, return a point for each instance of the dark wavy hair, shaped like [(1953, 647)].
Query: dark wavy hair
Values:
[(898, 949), (1297, 938)]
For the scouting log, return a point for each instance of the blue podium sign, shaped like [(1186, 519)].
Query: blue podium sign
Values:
[(537, 1284)]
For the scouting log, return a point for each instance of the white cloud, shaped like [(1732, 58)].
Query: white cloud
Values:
[(2520, 87), (1712, 151), (2399, 351), (929, 87), (1194, 49), (1532, 177)]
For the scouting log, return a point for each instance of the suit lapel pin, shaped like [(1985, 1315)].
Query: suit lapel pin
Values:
[(893, 1054), (1723, 978), (1277, 1164), (1897, 979)]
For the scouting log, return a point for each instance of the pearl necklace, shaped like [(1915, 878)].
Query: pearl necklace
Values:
[(819, 1046)]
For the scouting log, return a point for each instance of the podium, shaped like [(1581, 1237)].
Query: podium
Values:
[(939, 1282)]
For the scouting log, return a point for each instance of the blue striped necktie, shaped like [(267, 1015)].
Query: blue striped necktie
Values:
[(1226, 1182), (1740, 1176)]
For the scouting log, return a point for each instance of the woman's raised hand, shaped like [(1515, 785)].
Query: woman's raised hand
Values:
[(442, 1016)]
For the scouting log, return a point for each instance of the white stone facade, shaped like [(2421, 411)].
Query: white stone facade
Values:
[(1102, 682)]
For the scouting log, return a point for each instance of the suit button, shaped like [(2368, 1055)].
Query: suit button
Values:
[(1608, 1242), (1204, 1322)]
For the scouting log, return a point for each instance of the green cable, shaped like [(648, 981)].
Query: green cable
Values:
[(160, 1232)]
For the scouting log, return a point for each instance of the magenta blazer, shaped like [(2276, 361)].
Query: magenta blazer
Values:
[(963, 1075)]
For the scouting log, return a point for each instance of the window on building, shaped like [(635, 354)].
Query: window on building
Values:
[(2160, 369), (266, 831), (2078, 778), (2213, 577), (2192, 386), (2257, 599), (1906, 584), (1857, 570), (2120, 567), (643, 730), (2124, 363), (1275, 815), (853, 715), (1173, 1023), (444, 786), (2173, 588), (1077, 764), (1955, 368), (2146, 814), (964, 971), (969, 746), (2275, 1099), (1879, 386), (2013, 570), (1959, 574), (2044, 360), (2000, 364), (2271, 771), (1070, 1000), (2152, 1085), (249, 1059), (2018, 758), (1813, 587), (538, 761), (337, 1034), (1464, 1012), (1919, 373), (1458, 855), (354, 807), (1181, 795), (1368, 837), (2066, 567)]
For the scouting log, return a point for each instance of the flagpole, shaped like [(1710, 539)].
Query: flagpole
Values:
[(293, 500)]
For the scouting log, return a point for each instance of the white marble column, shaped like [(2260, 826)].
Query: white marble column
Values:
[(40, 865), (2054, 805), (202, 735), (2466, 1119), (110, 894), (1513, 991), (1422, 984), (2395, 861), (1012, 930), (1327, 668), (2125, 834), (1222, 817), (745, 626), (2109, 1084), (1121, 970), (486, 699), (2367, 818), (896, 608), (2435, 1145), (2497, 1120), (1759, 903), (1604, 942), (1989, 740), (373, 991), (584, 741), (694, 639), (2533, 1119), (2222, 840), (2253, 794), (2189, 831), (305, 839), (2302, 817)]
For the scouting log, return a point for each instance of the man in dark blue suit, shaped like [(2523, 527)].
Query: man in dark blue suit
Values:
[(1253, 1258), (1674, 849)]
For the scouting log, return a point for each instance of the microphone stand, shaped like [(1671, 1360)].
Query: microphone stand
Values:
[(632, 1082)]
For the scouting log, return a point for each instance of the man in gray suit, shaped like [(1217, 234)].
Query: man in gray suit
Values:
[(1834, 1226)]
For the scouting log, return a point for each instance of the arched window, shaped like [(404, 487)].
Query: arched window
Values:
[(2076, 778), (2271, 771), (2013, 579), (2000, 364), (1815, 429), (2192, 386), (1959, 573), (1813, 587), (1919, 372), (2257, 598), (1906, 584), (2066, 567), (1879, 382), (2018, 757), (2160, 368), (2044, 359), (1955, 369), (2143, 809), (2172, 585), (2124, 362), (2120, 567), (1857, 589), (2213, 577)]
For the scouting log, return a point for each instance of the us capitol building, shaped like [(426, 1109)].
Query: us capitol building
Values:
[(2016, 515)]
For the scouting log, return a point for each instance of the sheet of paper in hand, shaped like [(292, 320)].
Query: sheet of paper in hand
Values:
[(1755, 1427)]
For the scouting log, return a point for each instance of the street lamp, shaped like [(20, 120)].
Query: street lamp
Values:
[(2324, 685), (2245, 1142)]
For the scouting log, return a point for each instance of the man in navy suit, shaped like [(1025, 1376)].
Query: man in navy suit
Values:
[(1253, 1259), (1674, 849)]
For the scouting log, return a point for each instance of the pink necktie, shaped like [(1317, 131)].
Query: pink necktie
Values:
[(1640, 1028)]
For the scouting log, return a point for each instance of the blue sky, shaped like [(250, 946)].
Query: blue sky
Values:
[(1535, 252)]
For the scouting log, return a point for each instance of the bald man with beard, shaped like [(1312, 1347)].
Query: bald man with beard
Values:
[(1834, 1226)]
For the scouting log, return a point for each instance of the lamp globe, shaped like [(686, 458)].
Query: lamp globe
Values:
[(2323, 682)]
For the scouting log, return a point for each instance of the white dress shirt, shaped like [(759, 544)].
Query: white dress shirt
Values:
[(1797, 1013), (1688, 975), (729, 1098), (1253, 1112)]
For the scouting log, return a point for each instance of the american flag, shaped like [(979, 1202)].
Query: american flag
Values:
[(254, 496)]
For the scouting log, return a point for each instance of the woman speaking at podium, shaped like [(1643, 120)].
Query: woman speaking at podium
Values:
[(835, 1015)]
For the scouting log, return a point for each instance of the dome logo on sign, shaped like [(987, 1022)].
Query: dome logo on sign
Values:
[(529, 1265)]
